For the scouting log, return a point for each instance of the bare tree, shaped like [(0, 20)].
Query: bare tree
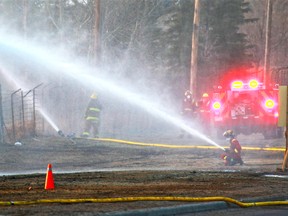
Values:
[(279, 32), (24, 21)]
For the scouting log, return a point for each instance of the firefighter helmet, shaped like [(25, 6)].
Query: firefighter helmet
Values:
[(229, 134), (205, 95), (93, 96), (188, 94)]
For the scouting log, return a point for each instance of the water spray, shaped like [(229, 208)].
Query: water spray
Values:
[(49, 120), (16, 83), (82, 73), (142, 102)]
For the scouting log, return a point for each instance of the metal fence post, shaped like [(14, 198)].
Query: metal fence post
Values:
[(34, 108), (34, 113), (12, 111), (23, 113)]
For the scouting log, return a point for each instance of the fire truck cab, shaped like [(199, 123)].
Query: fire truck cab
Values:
[(246, 107)]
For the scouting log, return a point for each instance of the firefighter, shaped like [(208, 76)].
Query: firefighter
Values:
[(188, 109), (204, 102), (232, 155), (203, 110), (92, 117)]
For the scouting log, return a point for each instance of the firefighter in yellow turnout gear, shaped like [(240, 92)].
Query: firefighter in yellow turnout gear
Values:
[(92, 117)]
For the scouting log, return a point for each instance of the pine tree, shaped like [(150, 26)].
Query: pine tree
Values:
[(223, 47)]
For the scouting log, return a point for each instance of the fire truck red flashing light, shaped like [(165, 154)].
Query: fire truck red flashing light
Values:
[(253, 84), (269, 104), (216, 105), (248, 107)]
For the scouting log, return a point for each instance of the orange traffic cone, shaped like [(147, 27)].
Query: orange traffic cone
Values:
[(49, 183)]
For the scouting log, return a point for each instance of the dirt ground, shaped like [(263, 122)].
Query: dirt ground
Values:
[(96, 169)]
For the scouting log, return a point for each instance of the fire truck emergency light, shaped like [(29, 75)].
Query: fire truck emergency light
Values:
[(269, 104), (253, 84), (216, 105), (237, 84)]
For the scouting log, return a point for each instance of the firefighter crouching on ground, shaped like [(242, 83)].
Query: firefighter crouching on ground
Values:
[(232, 155), (188, 110), (92, 117)]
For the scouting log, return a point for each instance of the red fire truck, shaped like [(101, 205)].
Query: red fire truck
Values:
[(247, 107)]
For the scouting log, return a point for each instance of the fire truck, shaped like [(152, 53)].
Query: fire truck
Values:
[(247, 107)]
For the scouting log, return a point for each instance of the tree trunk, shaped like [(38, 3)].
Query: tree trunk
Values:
[(24, 20), (60, 22), (96, 36)]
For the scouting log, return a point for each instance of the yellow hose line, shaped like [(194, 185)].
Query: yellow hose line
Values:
[(265, 149), (132, 199), (181, 146)]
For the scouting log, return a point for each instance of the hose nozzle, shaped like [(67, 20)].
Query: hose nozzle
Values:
[(61, 133)]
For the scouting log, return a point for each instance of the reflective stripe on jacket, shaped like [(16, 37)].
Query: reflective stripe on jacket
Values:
[(93, 110), (92, 118)]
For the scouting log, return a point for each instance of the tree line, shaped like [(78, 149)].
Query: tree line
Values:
[(151, 39)]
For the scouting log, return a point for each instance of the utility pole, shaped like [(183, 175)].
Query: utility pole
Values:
[(267, 42), (194, 50)]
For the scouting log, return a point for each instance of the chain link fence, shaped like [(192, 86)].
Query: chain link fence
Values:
[(18, 114), (48, 108)]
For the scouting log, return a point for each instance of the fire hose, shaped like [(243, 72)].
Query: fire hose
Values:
[(133, 199), (168, 198), (182, 146)]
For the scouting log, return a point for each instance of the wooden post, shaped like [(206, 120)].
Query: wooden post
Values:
[(267, 43), (194, 50), (285, 160), (284, 165)]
